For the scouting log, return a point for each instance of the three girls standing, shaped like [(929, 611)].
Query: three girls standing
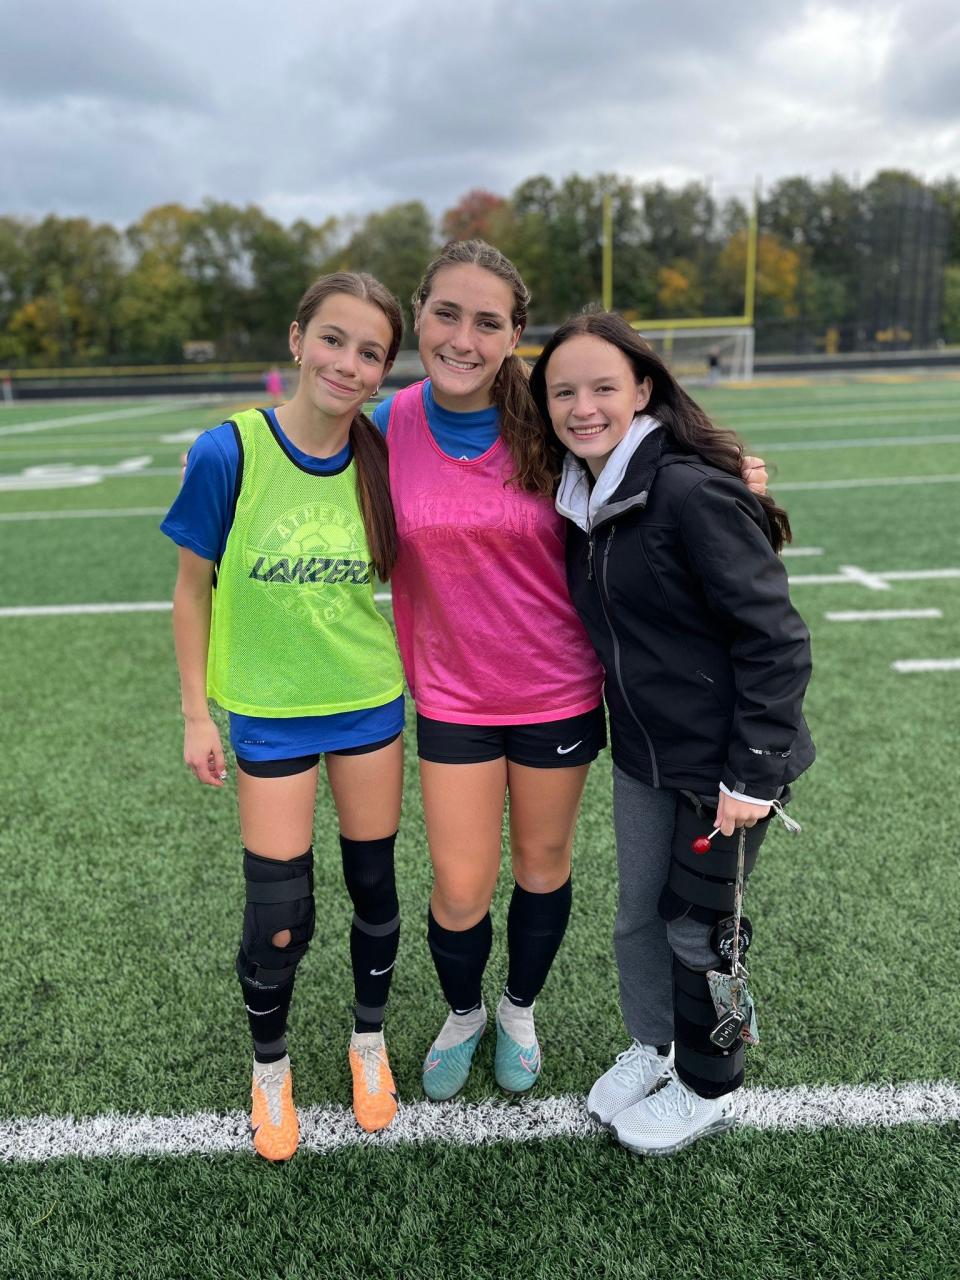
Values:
[(506, 684)]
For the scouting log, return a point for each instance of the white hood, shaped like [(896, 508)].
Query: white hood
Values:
[(574, 498)]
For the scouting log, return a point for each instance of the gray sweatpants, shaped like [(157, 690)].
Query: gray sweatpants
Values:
[(644, 819)]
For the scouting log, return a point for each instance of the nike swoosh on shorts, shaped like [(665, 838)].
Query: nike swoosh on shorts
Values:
[(562, 751)]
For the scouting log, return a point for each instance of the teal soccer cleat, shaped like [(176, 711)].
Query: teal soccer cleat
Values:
[(445, 1071), (517, 1066)]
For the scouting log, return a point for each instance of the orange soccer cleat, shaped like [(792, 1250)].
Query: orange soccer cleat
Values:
[(374, 1093), (273, 1118)]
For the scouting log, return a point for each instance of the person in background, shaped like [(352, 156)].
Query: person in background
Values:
[(273, 385)]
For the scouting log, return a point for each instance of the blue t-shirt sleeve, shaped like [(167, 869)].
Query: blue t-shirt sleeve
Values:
[(381, 415), (202, 512)]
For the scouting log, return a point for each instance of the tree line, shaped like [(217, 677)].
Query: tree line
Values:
[(840, 265)]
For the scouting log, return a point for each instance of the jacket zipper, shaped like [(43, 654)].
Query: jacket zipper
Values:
[(601, 591)]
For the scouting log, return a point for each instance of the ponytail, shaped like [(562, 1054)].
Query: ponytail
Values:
[(373, 490)]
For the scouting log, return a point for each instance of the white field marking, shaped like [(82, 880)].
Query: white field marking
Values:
[(130, 606), (326, 1129), (92, 513), (121, 444), (182, 437), (842, 408), (908, 665), (802, 551), (62, 610), (80, 419), (871, 442), (780, 488), (881, 615), (67, 475), (872, 483), (806, 423), (874, 581), (864, 578)]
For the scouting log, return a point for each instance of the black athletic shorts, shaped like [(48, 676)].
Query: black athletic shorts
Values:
[(300, 764), (554, 744)]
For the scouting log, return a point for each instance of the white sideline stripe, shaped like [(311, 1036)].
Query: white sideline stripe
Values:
[(807, 421), (881, 615), (130, 606), (802, 551), (788, 487), (92, 513), (62, 610), (874, 482), (871, 442), (875, 581), (41, 1138), (48, 424), (907, 665)]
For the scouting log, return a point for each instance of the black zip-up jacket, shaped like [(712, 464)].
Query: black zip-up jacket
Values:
[(687, 605)]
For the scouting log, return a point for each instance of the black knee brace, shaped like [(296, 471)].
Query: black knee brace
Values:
[(279, 896), (705, 880), (707, 1070)]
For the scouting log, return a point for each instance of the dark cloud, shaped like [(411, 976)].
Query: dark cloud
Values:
[(110, 109), (57, 51)]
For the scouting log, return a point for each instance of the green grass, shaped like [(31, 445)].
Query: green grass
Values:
[(818, 1206), (125, 877)]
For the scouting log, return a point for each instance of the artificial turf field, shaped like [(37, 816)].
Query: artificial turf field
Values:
[(123, 893)]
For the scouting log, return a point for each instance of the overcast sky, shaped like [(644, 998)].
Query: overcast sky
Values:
[(339, 107)]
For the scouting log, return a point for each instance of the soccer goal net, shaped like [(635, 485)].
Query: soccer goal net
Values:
[(704, 355)]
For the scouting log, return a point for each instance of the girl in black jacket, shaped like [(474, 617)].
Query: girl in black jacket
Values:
[(672, 565)]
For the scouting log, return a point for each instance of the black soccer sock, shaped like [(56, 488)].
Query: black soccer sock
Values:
[(536, 923), (375, 933), (267, 1006), (460, 957)]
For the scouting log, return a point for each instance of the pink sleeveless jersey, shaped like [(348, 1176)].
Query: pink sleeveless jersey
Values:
[(484, 622)]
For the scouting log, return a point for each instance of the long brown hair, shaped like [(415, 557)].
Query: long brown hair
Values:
[(369, 446), (668, 403), (510, 393)]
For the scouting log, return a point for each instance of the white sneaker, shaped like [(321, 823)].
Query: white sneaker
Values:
[(636, 1071), (671, 1119)]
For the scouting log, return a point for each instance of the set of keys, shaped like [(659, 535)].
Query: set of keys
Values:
[(737, 1015)]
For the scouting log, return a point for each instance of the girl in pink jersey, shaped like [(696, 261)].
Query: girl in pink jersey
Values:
[(493, 652)]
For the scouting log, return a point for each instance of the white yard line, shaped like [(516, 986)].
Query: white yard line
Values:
[(786, 487), (806, 422), (850, 575), (802, 551), (92, 513), (907, 666), (326, 1129), (129, 606), (872, 442), (80, 419), (875, 482), (881, 615), (63, 610)]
